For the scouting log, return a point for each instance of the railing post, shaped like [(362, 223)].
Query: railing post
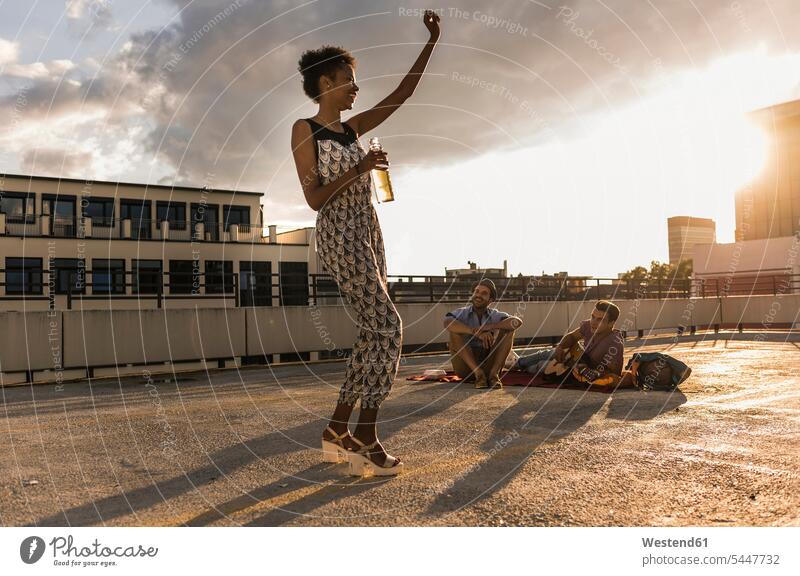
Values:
[(235, 289), (314, 289), (160, 291), (69, 292), (430, 290)]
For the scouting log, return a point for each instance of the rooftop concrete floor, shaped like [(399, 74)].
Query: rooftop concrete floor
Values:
[(242, 448)]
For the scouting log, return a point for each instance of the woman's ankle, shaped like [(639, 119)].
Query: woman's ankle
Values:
[(367, 437), (338, 426)]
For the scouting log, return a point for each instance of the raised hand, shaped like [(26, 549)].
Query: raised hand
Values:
[(431, 20)]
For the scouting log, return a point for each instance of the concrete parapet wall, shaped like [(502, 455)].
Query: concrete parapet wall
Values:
[(103, 338), (30, 340), (49, 342), (761, 310)]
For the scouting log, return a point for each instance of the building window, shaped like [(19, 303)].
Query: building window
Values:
[(69, 271), (100, 210), (255, 283), (108, 276), (174, 213), (17, 207), (184, 277), (208, 214), (294, 283), (23, 275), (147, 276), (219, 277), (138, 212), (237, 215), (61, 210)]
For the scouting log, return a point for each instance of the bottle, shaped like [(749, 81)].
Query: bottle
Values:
[(380, 178)]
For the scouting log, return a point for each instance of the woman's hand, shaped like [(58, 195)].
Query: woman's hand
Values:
[(374, 160), (431, 20)]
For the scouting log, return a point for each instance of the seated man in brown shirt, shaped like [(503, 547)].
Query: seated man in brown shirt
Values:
[(603, 347)]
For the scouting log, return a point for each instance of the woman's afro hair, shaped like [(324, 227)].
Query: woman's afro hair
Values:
[(322, 62)]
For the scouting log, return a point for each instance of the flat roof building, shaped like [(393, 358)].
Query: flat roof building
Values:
[(67, 243), (472, 271), (748, 267)]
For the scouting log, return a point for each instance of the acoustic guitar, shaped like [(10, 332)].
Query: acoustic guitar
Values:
[(555, 370)]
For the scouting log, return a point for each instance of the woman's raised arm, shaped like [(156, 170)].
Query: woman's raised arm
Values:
[(369, 119)]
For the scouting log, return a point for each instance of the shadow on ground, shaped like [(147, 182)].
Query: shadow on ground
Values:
[(528, 424), (414, 406)]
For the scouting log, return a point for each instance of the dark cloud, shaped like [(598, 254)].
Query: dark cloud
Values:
[(218, 89)]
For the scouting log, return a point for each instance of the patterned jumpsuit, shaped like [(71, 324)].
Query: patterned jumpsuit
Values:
[(350, 245)]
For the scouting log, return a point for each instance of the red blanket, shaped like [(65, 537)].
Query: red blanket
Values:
[(518, 378)]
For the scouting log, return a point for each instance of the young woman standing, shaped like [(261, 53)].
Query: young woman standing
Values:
[(334, 172)]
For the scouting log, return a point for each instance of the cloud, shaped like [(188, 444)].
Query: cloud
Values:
[(213, 94), (96, 13), (11, 68), (223, 87), (73, 119), (39, 70), (55, 162), (9, 52)]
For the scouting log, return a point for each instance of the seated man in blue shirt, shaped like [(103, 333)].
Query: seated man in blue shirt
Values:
[(481, 337)]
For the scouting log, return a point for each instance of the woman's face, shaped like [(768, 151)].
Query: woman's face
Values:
[(341, 89)]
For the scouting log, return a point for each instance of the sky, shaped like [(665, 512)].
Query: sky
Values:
[(556, 135)]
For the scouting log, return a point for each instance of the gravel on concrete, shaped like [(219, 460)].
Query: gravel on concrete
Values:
[(241, 447)]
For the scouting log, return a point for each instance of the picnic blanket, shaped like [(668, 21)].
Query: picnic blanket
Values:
[(519, 378)]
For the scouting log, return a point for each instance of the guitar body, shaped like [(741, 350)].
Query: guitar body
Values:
[(555, 370)]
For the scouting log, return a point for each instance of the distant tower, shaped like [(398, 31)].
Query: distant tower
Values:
[(684, 232)]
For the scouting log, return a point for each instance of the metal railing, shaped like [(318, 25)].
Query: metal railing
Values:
[(242, 288), (297, 289), (430, 289), (744, 285)]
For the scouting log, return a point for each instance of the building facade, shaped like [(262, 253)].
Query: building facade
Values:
[(68, 243), (472, 271), (769, 206), (683, 232), (749, 267)]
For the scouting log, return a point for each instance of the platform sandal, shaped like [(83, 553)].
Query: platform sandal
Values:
[(362, 465), (333, 450)]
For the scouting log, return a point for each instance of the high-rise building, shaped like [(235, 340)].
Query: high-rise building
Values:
[(684, 232), (769, 206)]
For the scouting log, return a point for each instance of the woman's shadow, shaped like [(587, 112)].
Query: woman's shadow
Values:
[(410, 407)]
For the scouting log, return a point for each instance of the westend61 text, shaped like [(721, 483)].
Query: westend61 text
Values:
[(670, 543)]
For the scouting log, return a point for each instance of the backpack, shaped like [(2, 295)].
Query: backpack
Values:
[(658, 371)]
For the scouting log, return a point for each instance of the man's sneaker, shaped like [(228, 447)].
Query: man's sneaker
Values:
[(480, 381)]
